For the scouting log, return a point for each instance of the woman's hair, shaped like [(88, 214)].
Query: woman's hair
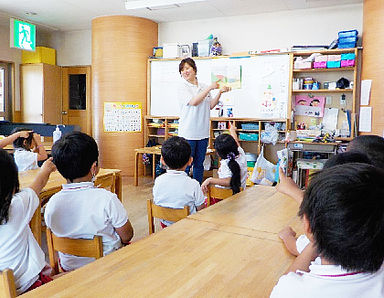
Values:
[(188, 61), (226, 147), (19, 142), (9, 183)]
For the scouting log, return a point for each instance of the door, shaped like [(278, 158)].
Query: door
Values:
[(77, 97), (4, 95)]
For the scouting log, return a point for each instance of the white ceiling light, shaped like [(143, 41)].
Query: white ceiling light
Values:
[(153, 4)]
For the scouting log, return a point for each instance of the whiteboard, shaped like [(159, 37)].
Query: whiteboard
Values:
[(264, 92)]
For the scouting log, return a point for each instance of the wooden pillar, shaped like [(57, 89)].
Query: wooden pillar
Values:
[(121, 46), (373, 55)]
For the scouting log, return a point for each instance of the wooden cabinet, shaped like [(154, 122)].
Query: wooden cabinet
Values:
[(345, 100), (159, 129), (41, 97)]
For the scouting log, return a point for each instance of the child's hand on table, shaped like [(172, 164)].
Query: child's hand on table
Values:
[(287, 232)]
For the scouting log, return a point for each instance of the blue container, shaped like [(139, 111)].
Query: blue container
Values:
[(248, 136), (347, 39), (349, 33), (347, 45), (333, 64), (250, 126), (348, 56)]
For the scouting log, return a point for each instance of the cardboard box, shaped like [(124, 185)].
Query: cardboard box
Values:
[(171, 50), (41, 55)]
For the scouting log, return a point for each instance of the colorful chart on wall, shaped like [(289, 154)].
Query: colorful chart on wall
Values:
[(122, 116), (309, 105), (263, 82)]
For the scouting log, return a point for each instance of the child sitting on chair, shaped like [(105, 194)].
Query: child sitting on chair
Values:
[(343, 216), (19, 249), (25, 158), (233, 165), (175, 189), (81, 210)]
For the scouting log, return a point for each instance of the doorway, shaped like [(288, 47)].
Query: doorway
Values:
[(77, 97), (5, 91)]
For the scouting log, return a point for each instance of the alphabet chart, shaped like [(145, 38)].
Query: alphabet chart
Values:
[(122, 116)]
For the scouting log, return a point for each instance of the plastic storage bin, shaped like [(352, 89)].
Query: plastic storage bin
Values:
[(333, 64), (349, 33), (348, 56), (248, 136), (347, 63), (250, 126), (321, 64)]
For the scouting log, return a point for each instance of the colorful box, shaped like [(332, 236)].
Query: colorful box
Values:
[(302, 64), (334, 57), (348, 33), (321, 64), (348, 56), (347, 63), (41, 55), (333, 64), (321, 58), (248, 136)]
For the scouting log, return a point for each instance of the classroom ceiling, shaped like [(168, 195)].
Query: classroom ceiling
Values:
[(68, 15)]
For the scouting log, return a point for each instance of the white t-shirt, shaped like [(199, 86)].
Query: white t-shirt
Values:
[(19, 250), (225, 172), (330, 281), (175, 189), (25, 160), (81, 210), (194, 120)]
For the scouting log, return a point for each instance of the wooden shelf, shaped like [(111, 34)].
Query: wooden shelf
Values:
[(156, 136), (324, 69), (325, 52), (323, 91)]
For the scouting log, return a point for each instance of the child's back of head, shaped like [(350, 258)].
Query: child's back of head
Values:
[(372, 146), (24, 143), (176, 152), (227, 148), (9, 183), (74, 154), (347, 157), (345, 209)]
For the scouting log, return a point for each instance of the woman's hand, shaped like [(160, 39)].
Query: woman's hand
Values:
[(214, 85), (225, 89)]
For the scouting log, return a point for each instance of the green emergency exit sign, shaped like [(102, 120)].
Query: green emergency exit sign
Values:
[(23, 35)]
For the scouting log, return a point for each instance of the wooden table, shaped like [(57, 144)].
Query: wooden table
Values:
[(218, 253), (54, 184), (47, 146), (155, 150)]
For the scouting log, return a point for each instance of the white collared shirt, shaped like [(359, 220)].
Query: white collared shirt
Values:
[(175, 189), (81, 210), (19, 250), (25, 160), (330, 281), (225, 172), (194, 120)]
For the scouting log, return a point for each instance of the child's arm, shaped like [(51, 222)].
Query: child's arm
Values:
[(202, 206), (232, 132), (10, 139), (42, 177), (125, 232), (215, 181), (216, 99), (303, 261), (39, 148), (289, 187), (289, 238)]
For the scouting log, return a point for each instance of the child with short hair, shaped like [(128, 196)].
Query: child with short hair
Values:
[(11, 138), (175, 189), (80, 210), (343, 216), (19, 249), (233, 169), (25, 158)]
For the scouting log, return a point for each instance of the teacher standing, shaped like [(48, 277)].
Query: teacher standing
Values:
[(196, 102)]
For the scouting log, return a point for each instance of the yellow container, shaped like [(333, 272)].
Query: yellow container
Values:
[(41, 55)]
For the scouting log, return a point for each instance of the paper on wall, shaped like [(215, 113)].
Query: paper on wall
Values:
[(365, 119), (365, 92), (330, 118)]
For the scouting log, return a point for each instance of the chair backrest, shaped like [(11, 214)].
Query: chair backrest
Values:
[(7, 284), (164, 213), (107, 182), (92, 248), (218, 193)]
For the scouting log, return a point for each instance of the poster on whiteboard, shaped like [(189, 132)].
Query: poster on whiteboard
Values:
[(122, 116)]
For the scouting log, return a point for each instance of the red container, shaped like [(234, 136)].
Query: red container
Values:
[(347, 63), (321, 64)]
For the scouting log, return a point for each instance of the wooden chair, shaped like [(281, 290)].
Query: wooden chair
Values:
[(107, 182), (164, 213), (92, 248), (218, 193), (7, 284)]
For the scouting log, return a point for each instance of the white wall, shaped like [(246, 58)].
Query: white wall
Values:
[(73, 47), (268, 30), (10, 55)]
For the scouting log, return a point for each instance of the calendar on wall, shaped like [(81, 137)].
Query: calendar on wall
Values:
[(122, 116)]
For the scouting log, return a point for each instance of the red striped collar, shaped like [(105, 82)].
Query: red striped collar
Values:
[(78, 186)]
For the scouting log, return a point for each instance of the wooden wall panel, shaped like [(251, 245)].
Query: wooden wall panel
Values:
[(373, 55), (120, 48)]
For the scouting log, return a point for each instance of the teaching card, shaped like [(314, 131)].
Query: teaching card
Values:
[(306, 105)]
